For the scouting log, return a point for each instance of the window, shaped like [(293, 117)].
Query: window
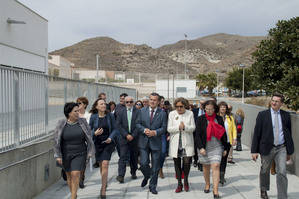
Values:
[(181, 89)]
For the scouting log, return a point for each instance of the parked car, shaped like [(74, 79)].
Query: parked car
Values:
[(252, 93)]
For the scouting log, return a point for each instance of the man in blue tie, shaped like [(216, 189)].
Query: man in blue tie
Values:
[(151, 126), (273, 140), (126, 123)]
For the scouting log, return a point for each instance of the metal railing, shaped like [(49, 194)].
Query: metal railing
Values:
[(31, 103)]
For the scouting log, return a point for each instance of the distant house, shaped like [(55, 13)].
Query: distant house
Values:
[(91, 74), (60, 67), (182, 88), (24, 37)]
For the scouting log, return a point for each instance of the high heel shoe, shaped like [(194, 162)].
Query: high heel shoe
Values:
[(216, 195), (179, 189), (102, 196), (207, 190), (186, 187)]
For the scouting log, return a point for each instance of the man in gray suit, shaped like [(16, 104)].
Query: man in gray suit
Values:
[(126, 122), (151, 125), (273, 140)]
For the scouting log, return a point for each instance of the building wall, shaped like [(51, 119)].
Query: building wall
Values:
[(179, 86), (63, 65), (91, 74), (23, 45), (31, 170)]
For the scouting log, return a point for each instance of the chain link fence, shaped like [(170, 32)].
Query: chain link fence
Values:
[(31, 103)]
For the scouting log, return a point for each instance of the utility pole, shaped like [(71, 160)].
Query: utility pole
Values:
[(243, 66), (97, 77), (185, 56)]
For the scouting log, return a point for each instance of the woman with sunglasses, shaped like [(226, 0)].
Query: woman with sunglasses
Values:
[(181, 144), (83, 103), (138, 104)]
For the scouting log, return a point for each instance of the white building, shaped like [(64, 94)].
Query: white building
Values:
[(23, 37), (60, 65), (91, 74), (177, 88)]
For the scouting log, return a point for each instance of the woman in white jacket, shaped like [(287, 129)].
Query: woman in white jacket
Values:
[(181, 144)]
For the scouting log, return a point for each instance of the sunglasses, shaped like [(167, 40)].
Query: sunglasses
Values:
[(129, 102), (179, 106), (138, 104), (79, 103)]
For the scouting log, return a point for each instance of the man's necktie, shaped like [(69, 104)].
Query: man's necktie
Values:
[(276, 128), (152, 114), (129, 119)]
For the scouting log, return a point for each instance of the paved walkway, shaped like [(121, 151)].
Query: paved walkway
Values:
[(242, 182)]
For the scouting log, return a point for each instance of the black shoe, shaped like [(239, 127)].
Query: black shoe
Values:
[(222, 179), (144, 182), (231, 162), (133, 177), (81, 184), (195, 164), (120, 179), (264, 195), (216, 196), (96, 165), (102, 196), (207, 190), (154, 191), (200, 167)]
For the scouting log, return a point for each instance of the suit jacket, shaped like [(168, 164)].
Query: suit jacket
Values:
[(94, 124), (263, 138), (123, 127), (159, 124), (118, 109), (201, 132), (58, 132)]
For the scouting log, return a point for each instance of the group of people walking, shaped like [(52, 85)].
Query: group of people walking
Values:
[(148, 130)]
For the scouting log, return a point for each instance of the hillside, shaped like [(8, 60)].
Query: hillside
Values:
[(219, 51)]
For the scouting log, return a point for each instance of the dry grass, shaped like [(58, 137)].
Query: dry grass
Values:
[(263, 101)]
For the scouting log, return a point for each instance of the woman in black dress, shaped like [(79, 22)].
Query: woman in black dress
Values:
[(104, 132), (73, 145)]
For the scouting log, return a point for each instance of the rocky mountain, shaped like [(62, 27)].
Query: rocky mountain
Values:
[(219, 51)]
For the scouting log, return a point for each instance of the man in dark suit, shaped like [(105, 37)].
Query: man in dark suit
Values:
[(151, 125), (272, 139), (196, 113), (126, 122)]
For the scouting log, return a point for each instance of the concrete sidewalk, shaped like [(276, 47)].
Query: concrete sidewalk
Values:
[(242, 182)]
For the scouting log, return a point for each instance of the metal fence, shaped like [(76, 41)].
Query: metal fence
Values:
[(32, 103)]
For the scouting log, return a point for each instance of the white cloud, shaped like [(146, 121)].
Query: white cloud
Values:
[(157, 22)]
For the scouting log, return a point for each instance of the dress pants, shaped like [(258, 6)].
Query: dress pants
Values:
[(223, 163), (163, 150), (148, 172), (125, 149), (279, 155)]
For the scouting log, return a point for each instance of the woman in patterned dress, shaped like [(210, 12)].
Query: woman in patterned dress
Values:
[(211, 143)]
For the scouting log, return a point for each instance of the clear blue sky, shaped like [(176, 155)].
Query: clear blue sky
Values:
[(158, 22)]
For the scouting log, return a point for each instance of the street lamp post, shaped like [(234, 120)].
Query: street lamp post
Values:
[(185, 56), (97, 77), (243, 66), (217, 85)]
